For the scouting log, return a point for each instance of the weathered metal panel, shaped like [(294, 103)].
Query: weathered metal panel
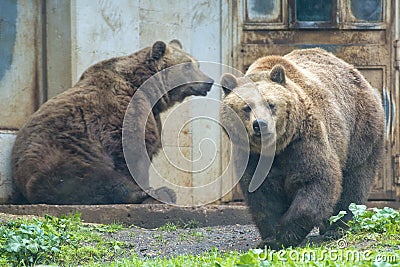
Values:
[(102, 29), (359, 32), (396, 99), (159, 20), (206, 139), (303, 37), (58, 47), (21, 62), (21, 76), (197, 25)]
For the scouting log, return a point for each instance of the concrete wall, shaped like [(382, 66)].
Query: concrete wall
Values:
[(21, 72), (45, 59), (6, 187)]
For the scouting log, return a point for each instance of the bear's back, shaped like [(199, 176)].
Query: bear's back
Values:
[(341, 95), (336, 76), (336, 86)]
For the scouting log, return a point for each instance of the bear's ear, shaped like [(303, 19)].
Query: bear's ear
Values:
[(158, 50), (176, 43), (228, 83), (277, 74)]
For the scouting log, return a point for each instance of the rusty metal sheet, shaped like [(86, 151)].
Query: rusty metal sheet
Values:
[(332, 37), (372, 55), (21, 69), (358, 33)]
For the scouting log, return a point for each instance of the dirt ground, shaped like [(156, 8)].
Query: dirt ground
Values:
[(163, 243), (173, 241)]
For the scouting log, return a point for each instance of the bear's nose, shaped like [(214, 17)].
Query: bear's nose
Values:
[(210, 80), (260, 126)]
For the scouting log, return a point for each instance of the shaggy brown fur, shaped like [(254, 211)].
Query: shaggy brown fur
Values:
[(70, 150), (329, 125)]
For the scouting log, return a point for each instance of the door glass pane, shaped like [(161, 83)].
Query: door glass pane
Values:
[(369, 10), (264, 10), (313, 10)]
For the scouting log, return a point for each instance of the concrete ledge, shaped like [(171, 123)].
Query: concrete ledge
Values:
[(7, 139), (146, 216)]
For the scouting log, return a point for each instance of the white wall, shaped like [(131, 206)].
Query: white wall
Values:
[(102, 29), (197, 25), (21, 70)]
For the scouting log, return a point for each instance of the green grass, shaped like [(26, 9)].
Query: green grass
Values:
[(372, 240), (65, 241), (170, 227), (213, 258)]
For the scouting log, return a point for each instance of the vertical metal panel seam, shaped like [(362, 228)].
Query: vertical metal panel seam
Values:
[(43, 53)]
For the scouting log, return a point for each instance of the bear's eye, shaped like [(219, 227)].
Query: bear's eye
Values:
[(188, 66), (271, 106), (246, 108)]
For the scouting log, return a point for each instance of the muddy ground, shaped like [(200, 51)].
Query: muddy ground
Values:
[(168, 243)]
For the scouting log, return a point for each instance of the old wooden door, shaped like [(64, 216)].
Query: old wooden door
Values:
[(359, 31)]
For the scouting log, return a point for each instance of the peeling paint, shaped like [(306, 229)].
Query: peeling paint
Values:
[(19, 84), (111, 14), (8, 21)]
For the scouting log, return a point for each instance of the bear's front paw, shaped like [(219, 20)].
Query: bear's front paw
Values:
[(334, 234), (161, 195), (270, 243), (166, 195)]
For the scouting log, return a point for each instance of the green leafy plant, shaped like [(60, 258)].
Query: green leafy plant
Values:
[(336, 218), (65, 241), (374, 237), (25, 242), (375, 220), (254, 257)]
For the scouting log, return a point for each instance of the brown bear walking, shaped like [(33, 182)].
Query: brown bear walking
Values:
[(70, 151), (329, 127)]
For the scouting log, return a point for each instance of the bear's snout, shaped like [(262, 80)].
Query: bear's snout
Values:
[(210, 81), (202, 88), (260, 126)]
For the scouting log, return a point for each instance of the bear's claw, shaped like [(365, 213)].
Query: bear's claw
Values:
[(160, 195)]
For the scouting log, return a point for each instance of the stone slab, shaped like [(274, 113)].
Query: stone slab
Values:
[(7, 139), (143, 215)]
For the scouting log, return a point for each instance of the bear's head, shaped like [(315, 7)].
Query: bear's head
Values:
[(264, 104), (180, 75)]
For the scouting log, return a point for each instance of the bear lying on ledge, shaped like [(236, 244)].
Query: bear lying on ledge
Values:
[(70, 151)]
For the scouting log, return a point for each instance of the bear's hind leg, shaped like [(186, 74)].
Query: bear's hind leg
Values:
[(267, 205), (75, 182), (305, 212), (267, 208), (355, 188)]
